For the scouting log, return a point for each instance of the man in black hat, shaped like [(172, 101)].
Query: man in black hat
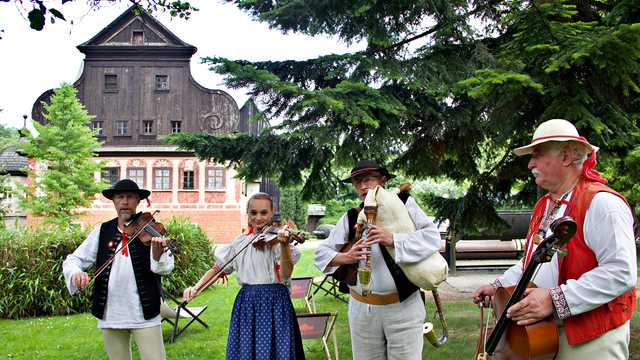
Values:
[(386, 323), (126, 295)]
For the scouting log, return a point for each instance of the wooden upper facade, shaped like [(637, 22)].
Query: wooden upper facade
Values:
[(137, 82)]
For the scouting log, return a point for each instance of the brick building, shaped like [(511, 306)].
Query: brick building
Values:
[(137, 82)]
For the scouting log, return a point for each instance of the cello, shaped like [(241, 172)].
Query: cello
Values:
[(535, 341)]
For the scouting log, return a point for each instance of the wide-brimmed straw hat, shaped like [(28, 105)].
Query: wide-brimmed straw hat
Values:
[(555, 130), (125, 185), (365, 166)]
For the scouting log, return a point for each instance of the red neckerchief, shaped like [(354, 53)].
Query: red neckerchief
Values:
[(588, 166)]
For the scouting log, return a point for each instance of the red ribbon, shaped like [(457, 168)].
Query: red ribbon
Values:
[(125, 249), (588, 170)]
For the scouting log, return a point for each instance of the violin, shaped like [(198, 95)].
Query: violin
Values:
[(144, 227), (268, 236), (509, 340)]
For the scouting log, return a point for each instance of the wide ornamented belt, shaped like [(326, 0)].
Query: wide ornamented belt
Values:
[(376, 299)]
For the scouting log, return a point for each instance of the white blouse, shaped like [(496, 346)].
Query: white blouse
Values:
[(123, 309), (253, 266)]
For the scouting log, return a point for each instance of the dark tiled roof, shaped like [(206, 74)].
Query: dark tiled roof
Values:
[(11, 162)]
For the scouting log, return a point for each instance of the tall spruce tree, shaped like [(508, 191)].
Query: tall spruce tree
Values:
[(64, 150), (444, 88)]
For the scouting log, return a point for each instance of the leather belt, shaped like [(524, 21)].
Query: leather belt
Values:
[(376, 299)]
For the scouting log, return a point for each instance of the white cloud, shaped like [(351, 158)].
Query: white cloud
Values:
[(35, 61)]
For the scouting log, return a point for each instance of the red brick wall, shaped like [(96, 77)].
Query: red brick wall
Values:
[(215, 196), (160, 197), (187, 197)]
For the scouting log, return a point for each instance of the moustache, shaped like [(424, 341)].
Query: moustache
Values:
[(535, 172)]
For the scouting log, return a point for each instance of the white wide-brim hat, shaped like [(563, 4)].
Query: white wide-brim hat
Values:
[(555, 130)]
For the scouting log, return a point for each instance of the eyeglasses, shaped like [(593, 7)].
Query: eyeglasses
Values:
[(365, 179)]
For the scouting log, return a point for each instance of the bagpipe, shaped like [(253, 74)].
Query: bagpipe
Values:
[(384, 208)]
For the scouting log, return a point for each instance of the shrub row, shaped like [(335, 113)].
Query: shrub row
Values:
[(31, 280)]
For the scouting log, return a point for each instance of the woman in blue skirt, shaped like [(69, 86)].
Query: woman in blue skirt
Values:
[(263, 323)]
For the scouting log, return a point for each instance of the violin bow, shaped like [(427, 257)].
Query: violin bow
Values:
[(118, 249), (215, 276)]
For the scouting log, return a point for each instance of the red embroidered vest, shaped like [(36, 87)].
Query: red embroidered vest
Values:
[(581, 259)]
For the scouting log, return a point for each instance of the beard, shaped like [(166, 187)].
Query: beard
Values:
[(126, 216)]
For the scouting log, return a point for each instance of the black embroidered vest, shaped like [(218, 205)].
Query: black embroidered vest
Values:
[(148, 283)]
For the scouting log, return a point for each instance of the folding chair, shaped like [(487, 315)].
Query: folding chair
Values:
[(301, 289), (319, 326), (173, 315), (330, 287)]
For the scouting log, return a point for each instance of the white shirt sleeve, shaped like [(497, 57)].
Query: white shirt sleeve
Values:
[(416, 246), (511, 276), (82, 258), (608, 231), (329, 247), (164, 265), (223, 253), (295, 253)]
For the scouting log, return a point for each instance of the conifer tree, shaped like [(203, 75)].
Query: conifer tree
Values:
[(64, 150), (444, 88)]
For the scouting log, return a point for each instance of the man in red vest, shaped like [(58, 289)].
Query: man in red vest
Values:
[(591, 289)]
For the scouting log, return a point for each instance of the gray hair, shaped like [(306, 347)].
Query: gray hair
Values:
[(576, 150)]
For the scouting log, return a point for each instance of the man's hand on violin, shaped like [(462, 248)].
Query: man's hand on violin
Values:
[(534, 306), (377, 234), (158, 244), (484, 294), (80, 280)]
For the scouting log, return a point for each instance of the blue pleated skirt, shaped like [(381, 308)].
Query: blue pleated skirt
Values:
[(264, 325)]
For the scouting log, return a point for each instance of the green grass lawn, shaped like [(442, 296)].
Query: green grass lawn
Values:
[(77, 336)]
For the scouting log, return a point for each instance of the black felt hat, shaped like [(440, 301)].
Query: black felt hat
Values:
[(365, 166), (125, 185)]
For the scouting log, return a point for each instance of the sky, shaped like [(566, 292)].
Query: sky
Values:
[(34, 61)]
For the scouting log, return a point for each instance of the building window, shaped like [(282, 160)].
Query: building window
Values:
[(187, 180), (137, 38), (97, 126), (147, 127), (162, 82), (122, 128), (110, 174), (176, 127), (215, 178), (111, 82), (137, 175), (162, 178)]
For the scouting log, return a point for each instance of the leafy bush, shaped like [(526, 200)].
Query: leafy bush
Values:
[(292, 206), (31, 280), (195, 257), (336, 208)]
